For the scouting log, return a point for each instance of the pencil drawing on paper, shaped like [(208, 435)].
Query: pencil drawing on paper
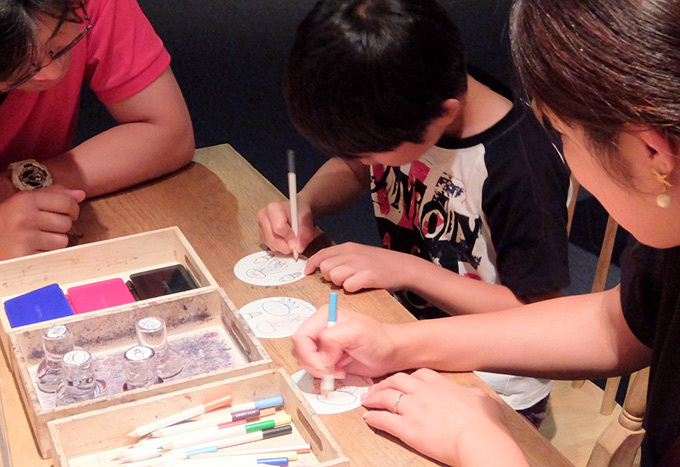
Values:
[(263, 268), (277, 316)]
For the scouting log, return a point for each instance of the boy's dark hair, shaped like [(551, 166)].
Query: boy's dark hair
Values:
[(18, 31), (365, 76)]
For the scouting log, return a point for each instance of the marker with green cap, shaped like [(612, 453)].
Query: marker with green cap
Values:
[(213, 433)]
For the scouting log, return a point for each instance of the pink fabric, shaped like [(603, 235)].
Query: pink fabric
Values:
[(120, 56)]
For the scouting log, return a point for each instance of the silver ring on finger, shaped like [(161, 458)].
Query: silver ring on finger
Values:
[(396, 403)]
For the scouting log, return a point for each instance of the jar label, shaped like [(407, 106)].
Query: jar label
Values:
[(139, 353), (56, 332), (76, 357), (150, 324)]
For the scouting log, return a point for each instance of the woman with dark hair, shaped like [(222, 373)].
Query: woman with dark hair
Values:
[(47, 49), (606, 73)]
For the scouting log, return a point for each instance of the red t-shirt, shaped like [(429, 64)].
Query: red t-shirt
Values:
[(120, 56)]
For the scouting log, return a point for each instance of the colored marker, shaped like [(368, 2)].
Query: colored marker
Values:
[(140, 453), (213, 445), (255, 462), (158, 443), (248, 461), (292, 196), (206, 435), (180, 416), (278, 450), (226, 442), (230, 457), (328, 381), (233, 416), (164, 440), (259, 404)]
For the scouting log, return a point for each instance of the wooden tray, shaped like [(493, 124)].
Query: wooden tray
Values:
[(98, 261), (76, 444), (215, 342)]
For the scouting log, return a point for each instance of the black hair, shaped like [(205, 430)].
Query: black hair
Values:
[(19, 47), (365, 76), (602, 65)]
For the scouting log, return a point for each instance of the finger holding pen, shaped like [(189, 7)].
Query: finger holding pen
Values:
[(312, 355), (275, 230), (357, 345)]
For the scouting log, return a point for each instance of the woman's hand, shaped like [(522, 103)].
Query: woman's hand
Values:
[(443, 420), (356, 345)]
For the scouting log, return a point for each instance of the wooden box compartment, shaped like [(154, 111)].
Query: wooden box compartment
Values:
[(118, 257), (75, 443), (214, 342)]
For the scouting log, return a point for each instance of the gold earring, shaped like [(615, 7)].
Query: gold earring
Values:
[(663, 199)]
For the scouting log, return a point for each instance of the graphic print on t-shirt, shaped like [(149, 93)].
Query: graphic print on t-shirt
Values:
[(424, 208)]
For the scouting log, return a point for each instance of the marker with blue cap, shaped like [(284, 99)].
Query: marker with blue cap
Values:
[(328, 381)]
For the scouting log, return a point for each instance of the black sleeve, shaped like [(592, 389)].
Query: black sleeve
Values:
[(641, 287), (524, 199)]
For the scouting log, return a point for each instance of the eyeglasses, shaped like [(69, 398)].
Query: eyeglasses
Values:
[(52, 56)]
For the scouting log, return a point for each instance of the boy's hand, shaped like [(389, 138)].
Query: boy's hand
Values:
[(446, 421), (274, 225), (356, 345), (36, 221), (355, 267)]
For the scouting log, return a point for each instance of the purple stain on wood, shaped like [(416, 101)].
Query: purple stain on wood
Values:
[(203, 351)]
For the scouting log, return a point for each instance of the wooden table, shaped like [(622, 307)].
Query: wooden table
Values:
[(214, 201)]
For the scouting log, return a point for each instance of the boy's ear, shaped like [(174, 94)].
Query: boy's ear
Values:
[(662, 149), (452, 109)]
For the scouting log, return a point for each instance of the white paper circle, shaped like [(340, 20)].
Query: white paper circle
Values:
[(262, 268), (346, 397), (277, 316)]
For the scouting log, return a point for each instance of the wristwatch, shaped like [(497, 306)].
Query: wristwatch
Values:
[(29, 175)]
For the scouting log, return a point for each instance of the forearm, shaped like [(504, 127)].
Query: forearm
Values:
[(154, 136), (474, 449), (335, 186), (565, 338), (456, 294), (122, 156)]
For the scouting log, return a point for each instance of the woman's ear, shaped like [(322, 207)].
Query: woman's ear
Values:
[(662, 149)]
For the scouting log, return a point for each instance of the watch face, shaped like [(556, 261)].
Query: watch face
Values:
[(30, 175)]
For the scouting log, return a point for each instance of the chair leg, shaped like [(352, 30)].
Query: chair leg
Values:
[(618, 444), (609, 397)]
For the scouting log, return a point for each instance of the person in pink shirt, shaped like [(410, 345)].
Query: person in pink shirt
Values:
[(47, 49)]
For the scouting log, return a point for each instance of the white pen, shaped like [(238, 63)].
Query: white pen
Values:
[(292, 196), (226, 417), (206, 435), (180, 416)]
